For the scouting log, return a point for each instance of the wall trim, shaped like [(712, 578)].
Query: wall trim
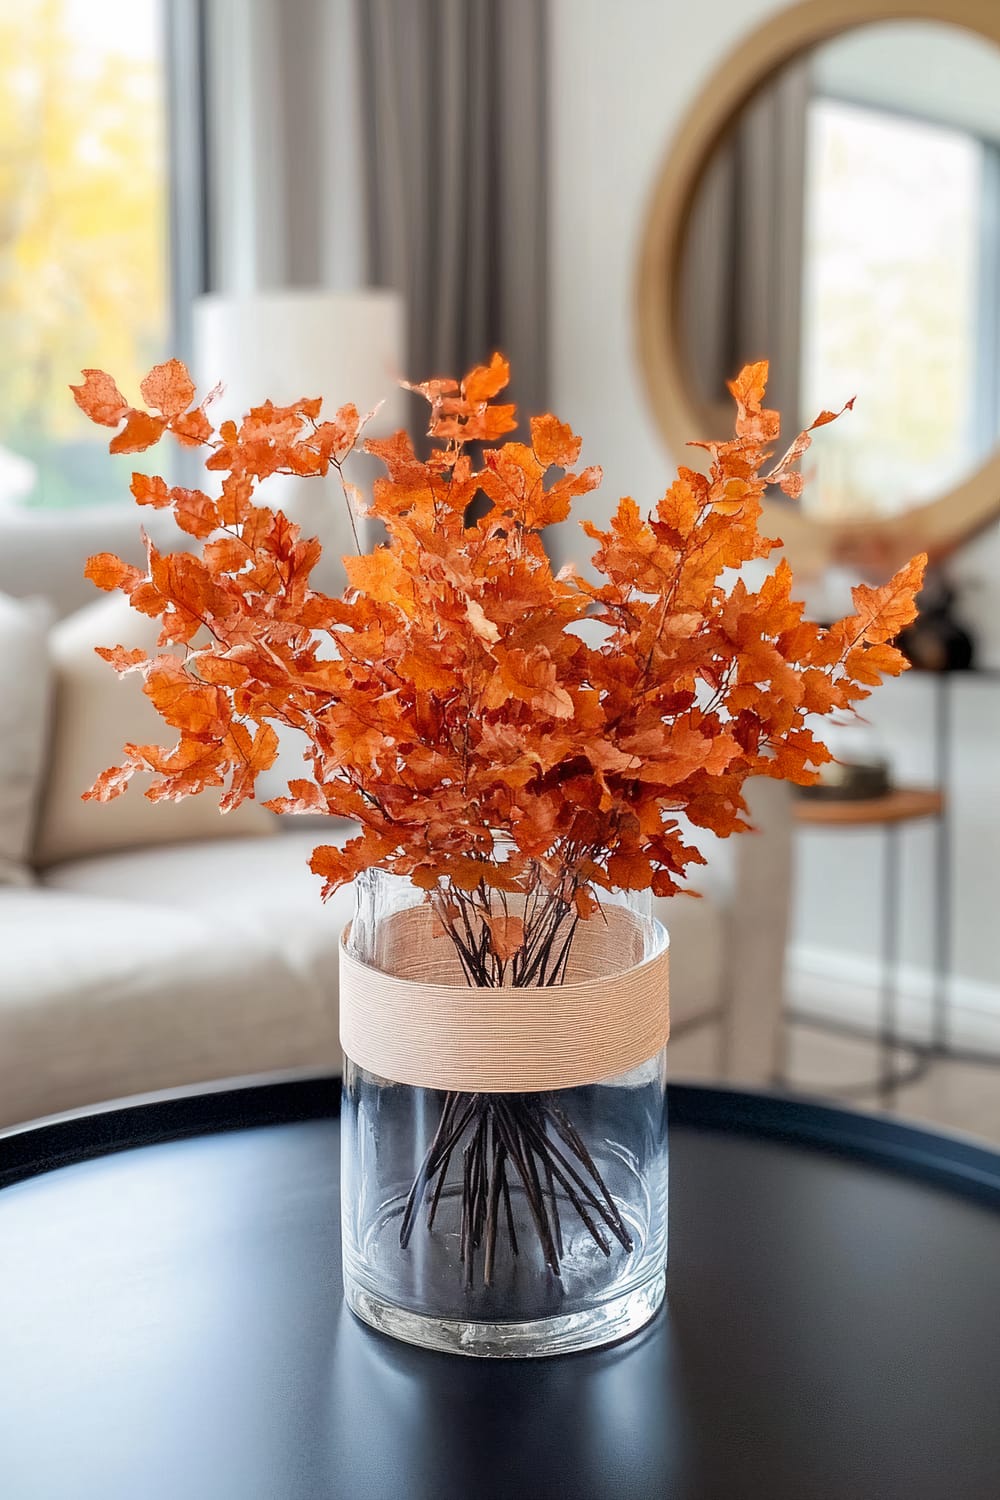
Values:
[(825, 984)]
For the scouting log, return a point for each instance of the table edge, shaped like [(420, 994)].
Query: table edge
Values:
[(949, 1161), (958, 1163), (177, 1114)]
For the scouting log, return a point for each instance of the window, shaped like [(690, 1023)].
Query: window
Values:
[(897, 220), (83, 232)]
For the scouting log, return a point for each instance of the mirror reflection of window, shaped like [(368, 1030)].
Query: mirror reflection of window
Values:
[(847, 227), (896, 210)]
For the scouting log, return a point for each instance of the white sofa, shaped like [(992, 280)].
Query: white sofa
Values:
[(148, 947)]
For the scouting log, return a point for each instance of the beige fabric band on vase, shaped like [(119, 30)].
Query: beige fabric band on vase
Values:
[(423, 1025)]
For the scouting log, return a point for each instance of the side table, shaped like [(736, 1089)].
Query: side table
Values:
[(890, 813), (172, 1323)]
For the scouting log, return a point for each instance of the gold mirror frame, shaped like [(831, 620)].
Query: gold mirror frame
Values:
[(938, 526)]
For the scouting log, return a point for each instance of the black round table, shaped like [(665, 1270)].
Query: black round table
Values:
[(171, 1322)]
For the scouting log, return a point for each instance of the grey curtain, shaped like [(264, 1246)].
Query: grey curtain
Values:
[(344, 143), (741, 271), (454, 129), (265, 147)]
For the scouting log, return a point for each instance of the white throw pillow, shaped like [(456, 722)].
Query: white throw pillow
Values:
[(25, 691), (95, 714)]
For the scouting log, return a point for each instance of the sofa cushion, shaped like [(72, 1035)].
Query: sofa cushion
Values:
[(25, 684), (266, 888), (95, 713), (42, 551), (262, 888), (102, 998)]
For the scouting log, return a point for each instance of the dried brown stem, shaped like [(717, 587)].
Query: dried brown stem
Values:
[(528, 1134)]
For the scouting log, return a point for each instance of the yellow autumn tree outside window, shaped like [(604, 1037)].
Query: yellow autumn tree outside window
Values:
[(83, 229)]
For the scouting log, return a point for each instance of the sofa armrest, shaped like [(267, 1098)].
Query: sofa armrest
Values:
[(43, 552), (758, 932)]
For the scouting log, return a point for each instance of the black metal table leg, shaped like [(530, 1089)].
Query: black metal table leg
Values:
[(888, 1034), (892, 1071), (940, 1039)]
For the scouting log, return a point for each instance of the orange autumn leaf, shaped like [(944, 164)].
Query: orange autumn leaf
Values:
[(305, 797), (378, 576), (109, 572), (256, 753), (168, 388), (481, 624), (448, 696), (195, 512), (185, 703), (191, 428), (554, 442), (150, 489), (506, 935), (784, 474), (883, 612), (226, 554), (753, 421), (584, 903), (111, 783), (486, 381), (630, 870), (122, 659), (185, 771), (334, 440), (820, 695), (532, 678), (486, 427), (99, 398), (140, 431)]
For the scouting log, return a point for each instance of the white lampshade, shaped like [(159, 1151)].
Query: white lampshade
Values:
[(343, 346), (282, 345)]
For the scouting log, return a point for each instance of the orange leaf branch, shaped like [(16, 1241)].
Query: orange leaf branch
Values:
[(446, 698)]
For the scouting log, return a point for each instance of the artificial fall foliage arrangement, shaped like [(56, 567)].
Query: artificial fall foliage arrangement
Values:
[(447, 697), (453, 710)]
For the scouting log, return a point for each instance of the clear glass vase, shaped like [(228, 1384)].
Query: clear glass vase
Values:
[(503, 1224)]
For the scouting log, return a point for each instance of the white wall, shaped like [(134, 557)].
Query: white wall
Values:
[(925, 68), (624, 74)]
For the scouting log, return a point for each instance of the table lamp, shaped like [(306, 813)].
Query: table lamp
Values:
[(343, 346)]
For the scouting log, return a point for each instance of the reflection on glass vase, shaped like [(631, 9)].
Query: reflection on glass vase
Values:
[(489, 1220)]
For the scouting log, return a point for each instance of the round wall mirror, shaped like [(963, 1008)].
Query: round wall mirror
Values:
[(832, 204)]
